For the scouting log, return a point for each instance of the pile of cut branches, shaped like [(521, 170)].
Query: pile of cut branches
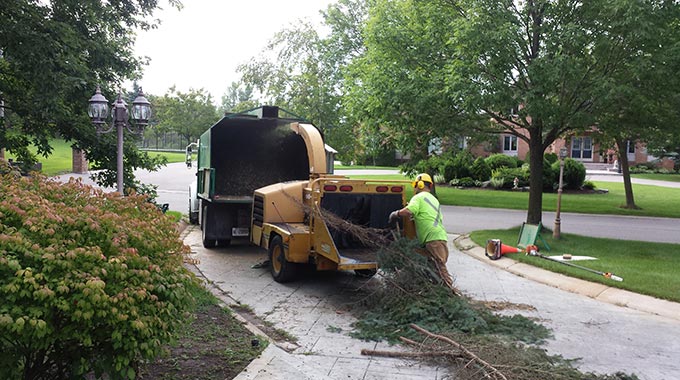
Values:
[(410, 306), (413, 306), (473, 357)]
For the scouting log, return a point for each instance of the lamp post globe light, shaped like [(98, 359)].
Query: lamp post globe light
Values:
[(98, 110), (558, 222)]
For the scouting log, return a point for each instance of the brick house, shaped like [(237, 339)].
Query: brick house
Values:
[(580, 147)]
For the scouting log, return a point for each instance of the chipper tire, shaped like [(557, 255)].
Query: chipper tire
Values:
[(281, 269)]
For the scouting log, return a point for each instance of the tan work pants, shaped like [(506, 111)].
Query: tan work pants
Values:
[(439, 253)]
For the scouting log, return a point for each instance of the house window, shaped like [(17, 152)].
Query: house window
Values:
[(582, 148), (630, 150), (510, 143), (435, 146)]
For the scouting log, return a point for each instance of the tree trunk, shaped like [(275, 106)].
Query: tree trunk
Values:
[(625, 169), (535, 211)]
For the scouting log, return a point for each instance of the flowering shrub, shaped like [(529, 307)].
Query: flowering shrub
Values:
[(88, 281)]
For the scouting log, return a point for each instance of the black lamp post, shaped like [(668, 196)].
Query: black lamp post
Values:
[(558, 222), (98, 111)]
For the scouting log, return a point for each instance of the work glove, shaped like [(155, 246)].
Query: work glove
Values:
[(394, 217)]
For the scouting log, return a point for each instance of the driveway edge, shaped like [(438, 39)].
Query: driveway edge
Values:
[(597, 291)]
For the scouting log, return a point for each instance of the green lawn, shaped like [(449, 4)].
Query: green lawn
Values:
[(653, 200), (59, 162), (646, 268), (364, 167), (171, 156)]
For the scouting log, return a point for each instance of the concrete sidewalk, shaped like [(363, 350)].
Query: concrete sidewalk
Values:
[(588, 320)]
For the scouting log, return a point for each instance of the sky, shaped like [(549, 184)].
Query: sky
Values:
[(201, 45)]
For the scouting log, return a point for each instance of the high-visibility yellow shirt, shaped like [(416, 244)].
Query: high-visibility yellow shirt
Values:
[(427, 216)]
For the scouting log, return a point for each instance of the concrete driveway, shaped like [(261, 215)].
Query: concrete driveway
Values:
[(604, 337), (317, 311)]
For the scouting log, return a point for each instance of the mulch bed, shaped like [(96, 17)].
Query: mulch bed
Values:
[(213, 346)]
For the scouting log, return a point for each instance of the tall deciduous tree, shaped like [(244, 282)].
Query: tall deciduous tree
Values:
[(238, 97), (188, 114), (639, 101), (398, 87), (552, 58), (302, 71), (54, 53)]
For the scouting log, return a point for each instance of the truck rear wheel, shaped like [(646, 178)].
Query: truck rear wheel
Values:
[(207, 243), (282, 270), (193, 215)]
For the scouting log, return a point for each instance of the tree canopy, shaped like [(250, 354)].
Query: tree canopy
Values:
[(302, 71), (53, 55), (238, 97), (638, 101), (397, 89), (188, 114), (555, 61)]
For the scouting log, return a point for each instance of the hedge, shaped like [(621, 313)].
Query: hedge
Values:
[(91, 282)]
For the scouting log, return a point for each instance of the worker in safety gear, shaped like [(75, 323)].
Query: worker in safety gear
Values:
[(426, 212)]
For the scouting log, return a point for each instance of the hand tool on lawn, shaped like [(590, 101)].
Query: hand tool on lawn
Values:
[(533, 251)]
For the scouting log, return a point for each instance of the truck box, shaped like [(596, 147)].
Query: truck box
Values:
[(240, 153)]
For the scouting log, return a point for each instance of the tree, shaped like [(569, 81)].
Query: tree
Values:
[(396, 88), (238, 98), (54, 54), (550, 59), (639, 100), (187, 114), (302, 71)]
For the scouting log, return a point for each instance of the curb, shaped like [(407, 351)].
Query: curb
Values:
[(600, 292)]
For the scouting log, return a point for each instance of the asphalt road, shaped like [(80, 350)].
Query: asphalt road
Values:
[(461, 220), (173, 188)]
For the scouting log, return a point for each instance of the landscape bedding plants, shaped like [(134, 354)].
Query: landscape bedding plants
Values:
[(655, 201)]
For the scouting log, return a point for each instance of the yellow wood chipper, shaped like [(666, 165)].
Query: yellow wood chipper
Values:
[(290, 219)]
